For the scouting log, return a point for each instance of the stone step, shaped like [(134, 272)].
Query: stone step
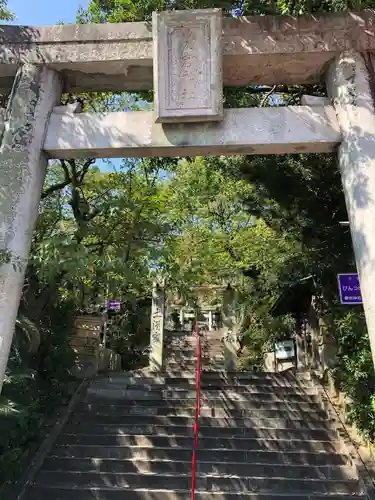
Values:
[(88, 412), (204, 431), (213, 356), (108, 392), (189, 355), (182, 382), (180, 361), (337, 472), (190, 347), (183, 334), (255, 393), (179, 383), (205, 395), (182, 345), (284, 457), (217, 347), (212, 346), (36, 493), (206, 348), (212, 398), (217, 397), (188, 337), (149, 421), (206, 404), (180, 365), (208, 483), (174, 358), (189, 385), (212, 350), (205, 443), (180, 334), (157, 380), (175, 364), (264, 377), (210, 368), (276, 377), (207, 366)]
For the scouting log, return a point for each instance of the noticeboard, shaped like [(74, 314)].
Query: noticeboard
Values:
[(284, 349)]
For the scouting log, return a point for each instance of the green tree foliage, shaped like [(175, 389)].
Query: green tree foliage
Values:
[(218, 240), (98, 236), (5, 13)]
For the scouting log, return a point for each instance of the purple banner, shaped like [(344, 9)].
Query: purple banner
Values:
[(349, 288), (114, 305)]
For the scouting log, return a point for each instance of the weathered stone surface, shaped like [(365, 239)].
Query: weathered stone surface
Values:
[(252, 131), (75, 107), (313, 100), (22, 169), (107, 451), (2, 120), (260, 49), (188, 65), (349, 84)]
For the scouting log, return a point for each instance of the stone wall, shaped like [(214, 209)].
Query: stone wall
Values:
[(92, 357)]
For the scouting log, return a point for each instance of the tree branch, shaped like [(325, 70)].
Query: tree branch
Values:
[(60, 185), (54, 188), (85, 169), (66, 169)]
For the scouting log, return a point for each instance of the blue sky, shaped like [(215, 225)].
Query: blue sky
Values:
[(44, 12)]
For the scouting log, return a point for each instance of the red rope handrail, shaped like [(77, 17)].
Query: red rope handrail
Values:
[(197, 410)]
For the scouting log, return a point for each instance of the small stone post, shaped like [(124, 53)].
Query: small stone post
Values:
[(299, 343), (157, 328), (210, 320), (349, 85), (229, 327), (182, 318), (314, 333), (36, 90)]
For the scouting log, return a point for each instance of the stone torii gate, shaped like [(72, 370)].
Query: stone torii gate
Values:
[(187, 57)]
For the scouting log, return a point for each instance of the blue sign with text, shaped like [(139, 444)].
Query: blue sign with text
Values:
[(114, 305), (349, 288)]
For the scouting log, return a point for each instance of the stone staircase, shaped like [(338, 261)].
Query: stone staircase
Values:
[(180, 352), (262, 437)]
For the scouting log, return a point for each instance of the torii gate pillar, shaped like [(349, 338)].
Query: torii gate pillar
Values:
[(36, 90), (349, 84)]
